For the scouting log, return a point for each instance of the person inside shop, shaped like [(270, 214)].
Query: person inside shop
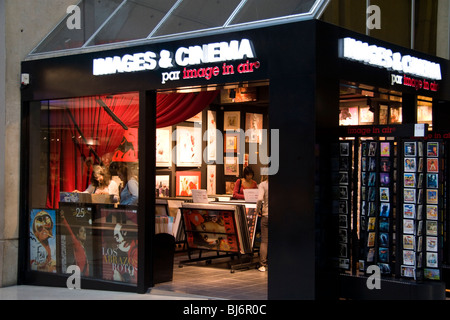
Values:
[(262, 208), (246, 182), (101, 183), (128, 174)]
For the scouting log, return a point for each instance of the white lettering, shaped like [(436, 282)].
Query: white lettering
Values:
[(127, 63), (385, 58), (193, 55)]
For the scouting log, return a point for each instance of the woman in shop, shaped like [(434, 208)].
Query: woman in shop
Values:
[(262, 207), (101, 183), (246, 182), (130, 192)]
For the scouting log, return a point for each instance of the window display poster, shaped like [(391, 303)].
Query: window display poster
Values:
[(119, 248), (43, 240), (76, 242)]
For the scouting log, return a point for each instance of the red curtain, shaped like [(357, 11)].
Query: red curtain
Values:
[(82, 131), (173, 108)]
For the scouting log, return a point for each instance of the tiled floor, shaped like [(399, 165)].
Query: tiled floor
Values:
[(216, 280), (194, 281)]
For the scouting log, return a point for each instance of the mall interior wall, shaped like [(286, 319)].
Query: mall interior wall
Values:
[(22, 25)]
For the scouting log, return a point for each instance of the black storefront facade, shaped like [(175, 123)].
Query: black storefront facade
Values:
[(303, 66)]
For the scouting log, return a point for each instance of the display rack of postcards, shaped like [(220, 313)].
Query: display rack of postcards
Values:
[(422, 204), (342, 177), (377, 206)]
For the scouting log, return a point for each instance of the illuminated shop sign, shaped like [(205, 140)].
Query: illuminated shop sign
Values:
[(407, 65), (385, 58), (218, 52)]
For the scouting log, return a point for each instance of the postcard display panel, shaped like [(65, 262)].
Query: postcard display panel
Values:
[(342, 173), (377, 205), (422, 205)]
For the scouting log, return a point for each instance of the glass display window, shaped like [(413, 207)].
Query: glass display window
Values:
[(83, 186)]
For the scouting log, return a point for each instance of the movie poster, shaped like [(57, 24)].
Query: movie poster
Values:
[(211, 229), (43, 240), (76, 241), (119, 250)]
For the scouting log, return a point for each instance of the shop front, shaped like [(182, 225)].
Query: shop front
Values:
[(271, 98)]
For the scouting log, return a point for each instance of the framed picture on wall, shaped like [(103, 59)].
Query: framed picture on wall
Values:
[(211, 179), (162, 184), (253, 127), (231, 166), (365, 116), (189, 146), (164, 147), (188, 181), (231, 120), (231, 142), (212, 135)]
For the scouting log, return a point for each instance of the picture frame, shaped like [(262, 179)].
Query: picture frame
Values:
[(212, 135), (211, 179), (189, 146), (162, 185), (231, 120), (231, 166), (231, 142), (186, 181), (253, 127), (164, 147)]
